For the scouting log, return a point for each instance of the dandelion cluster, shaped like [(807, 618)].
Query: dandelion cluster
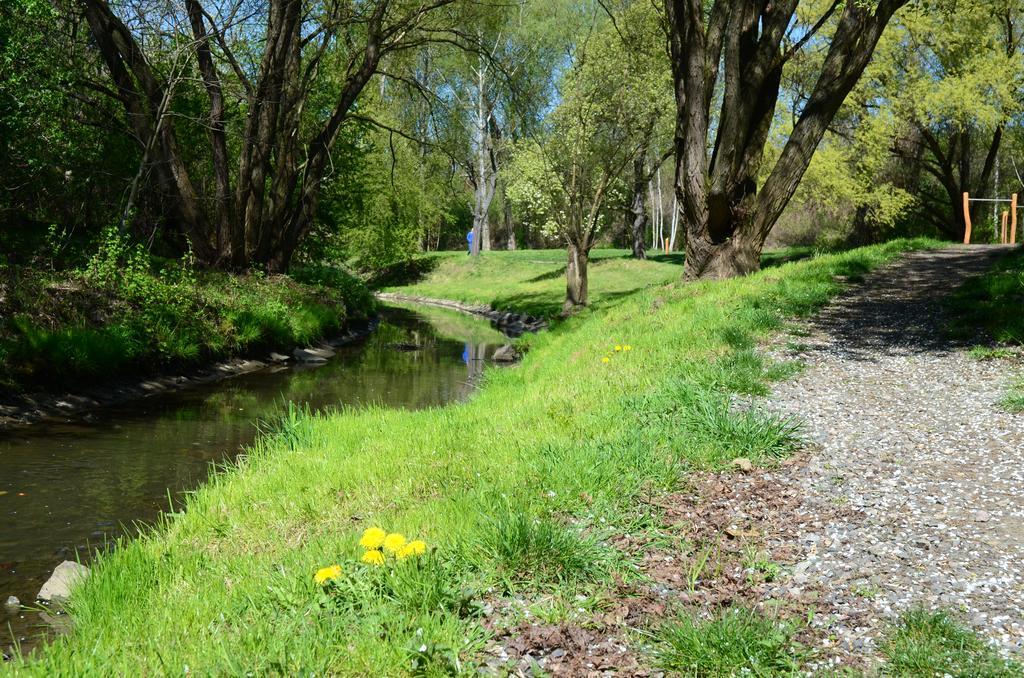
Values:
[(378, 544), (619, 348)]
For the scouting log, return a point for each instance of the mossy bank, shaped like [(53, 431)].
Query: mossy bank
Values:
[(126, 314)]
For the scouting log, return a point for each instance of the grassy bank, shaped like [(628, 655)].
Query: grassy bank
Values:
[(518, 493), (993, 303), (533, 281), (131, 315)]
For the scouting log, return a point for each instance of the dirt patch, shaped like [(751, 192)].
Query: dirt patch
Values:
[(565, 650)]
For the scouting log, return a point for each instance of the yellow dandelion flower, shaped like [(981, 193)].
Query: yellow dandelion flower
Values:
[(413, 548), (605, 359), (393, 542), (373, 557), (618, 348), (373, 538), (627, 347), (327, 574)]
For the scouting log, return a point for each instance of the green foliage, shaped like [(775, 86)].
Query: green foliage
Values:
[(737, 642), (59, 158), (928, 643), (126, 312)]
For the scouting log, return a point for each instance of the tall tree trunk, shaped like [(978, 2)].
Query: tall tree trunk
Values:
[(675, 223), (638, 208), (508, 222), (485, 164), (576, 278)]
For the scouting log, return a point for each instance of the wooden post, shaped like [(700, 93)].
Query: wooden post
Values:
[(666, 245), (967, 218), (1002, 232), (1013, 219)]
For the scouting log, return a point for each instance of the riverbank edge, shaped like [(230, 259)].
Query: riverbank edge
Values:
[(512, 324), (33, 408)]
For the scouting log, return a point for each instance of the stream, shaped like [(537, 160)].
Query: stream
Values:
[(69, 487)]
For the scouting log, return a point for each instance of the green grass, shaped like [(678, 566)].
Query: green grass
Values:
[(516, 491), (736, 642), (1013, 399), (928, 643), (533, 281), (62, 328), (992, 302)]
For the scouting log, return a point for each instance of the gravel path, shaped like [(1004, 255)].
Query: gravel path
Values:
[(926, 473)]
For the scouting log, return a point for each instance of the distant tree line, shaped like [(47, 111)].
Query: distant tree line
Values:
[(252, 133)]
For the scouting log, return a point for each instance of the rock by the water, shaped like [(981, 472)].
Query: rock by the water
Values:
[(12, 603), (506, 354), (313, 355), (278, 357), (58, 586)]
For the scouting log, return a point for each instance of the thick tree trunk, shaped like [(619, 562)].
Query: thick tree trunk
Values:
[(739, 255), (576, 279), (725, 215)]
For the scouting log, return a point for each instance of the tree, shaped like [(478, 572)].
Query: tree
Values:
[(954, 77), (727, 217), (605, 119), (267, 180)]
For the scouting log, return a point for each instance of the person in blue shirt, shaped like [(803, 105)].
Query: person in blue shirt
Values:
[(469, 242)]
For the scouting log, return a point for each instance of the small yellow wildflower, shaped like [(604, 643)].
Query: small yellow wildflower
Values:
[(373, 557), (373, 538), (618, 348), (327, 574), (605, 359), (413, 548), (627, 347), (393, 542)]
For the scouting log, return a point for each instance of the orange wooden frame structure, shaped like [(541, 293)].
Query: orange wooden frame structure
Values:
[(1008, 225)]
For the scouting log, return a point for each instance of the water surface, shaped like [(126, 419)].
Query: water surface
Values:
[(67, 487)]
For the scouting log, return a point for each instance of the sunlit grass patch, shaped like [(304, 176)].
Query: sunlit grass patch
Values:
[(736, 642), (537, 550), (931, 643), (1013, 400)]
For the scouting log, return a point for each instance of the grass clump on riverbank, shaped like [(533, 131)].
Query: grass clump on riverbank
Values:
[(520, 492), (125, 313)]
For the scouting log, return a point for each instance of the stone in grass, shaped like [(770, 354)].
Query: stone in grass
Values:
[(506, 354), (12, 603), (58, 587), (743, 464)]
